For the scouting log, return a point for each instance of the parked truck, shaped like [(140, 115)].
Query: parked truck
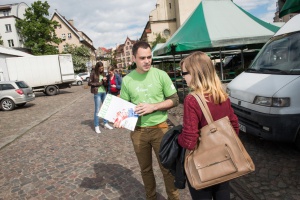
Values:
[(266, 96), (46, 74)]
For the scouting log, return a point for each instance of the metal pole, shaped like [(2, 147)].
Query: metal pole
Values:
[(221, 66)]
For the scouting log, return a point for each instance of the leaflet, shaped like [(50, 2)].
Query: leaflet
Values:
[(115, 109)]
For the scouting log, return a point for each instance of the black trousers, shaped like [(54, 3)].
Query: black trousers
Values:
[(217, 192)]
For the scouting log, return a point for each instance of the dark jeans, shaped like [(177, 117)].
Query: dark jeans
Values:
[(217, 192)]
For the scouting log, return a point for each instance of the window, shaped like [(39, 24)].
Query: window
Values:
[(69, 35), (5, 12), (57, 26), (170, 5), (7, 87), (63, 36), (64, 47), (8, 27), (10, 43)]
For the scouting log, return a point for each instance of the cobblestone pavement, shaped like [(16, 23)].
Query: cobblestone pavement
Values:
[(49, 150)]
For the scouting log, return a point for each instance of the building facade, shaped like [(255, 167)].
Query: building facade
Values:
[(167, 17), (124, 53), (8, 15), (279, 5), (70, 35)]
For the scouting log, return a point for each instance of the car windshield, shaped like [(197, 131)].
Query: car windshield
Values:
[(281, 55), (22, 84)]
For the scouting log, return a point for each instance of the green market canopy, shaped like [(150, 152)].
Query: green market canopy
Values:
[(290, 6), (217, 25)]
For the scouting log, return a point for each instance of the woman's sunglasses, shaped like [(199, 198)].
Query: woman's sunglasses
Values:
[(184, 73)]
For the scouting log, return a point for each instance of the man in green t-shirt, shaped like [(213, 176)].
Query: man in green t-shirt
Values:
[(154, 93)]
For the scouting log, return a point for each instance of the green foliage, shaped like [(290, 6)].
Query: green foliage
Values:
[(158, 39), (80, 55), (1, 41), (37, 30)]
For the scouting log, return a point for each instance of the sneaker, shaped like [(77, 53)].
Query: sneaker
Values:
[(97, 129), (108, 126)]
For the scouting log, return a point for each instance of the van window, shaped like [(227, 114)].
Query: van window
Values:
[(281, 55)]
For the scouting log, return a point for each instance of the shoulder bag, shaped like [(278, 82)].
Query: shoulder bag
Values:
[(220, 155)]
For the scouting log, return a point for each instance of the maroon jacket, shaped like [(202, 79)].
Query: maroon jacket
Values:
[(194, 120)]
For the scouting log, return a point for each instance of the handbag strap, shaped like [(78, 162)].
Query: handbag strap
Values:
[(204, 107)]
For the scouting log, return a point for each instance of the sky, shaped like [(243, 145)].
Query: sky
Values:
[(108, 22)]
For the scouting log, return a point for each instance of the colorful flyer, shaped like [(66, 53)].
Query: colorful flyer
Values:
[(115, 109)]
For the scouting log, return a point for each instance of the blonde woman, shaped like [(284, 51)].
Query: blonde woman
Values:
[(201, 77)]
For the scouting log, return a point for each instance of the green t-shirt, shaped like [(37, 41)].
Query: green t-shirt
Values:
[(150, 87), (101, 89)]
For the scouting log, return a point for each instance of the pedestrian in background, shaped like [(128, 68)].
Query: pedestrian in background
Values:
[(114, 82), (201, 77), (97, 81), (153, 92)]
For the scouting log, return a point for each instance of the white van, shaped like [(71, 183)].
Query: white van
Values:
[(266, 97)]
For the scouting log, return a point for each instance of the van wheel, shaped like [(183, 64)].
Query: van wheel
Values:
[(79, 83), (51, 90), (87, 79), (7, 104)]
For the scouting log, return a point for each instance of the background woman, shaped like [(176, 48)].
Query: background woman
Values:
[(114, 82), (97, 81), (201, 77)]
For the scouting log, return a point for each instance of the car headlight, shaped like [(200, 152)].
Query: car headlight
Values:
[(272, 101)]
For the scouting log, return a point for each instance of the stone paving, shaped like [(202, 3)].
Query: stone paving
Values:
[(49, 150)]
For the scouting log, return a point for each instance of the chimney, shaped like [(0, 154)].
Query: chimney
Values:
[(71, 21)]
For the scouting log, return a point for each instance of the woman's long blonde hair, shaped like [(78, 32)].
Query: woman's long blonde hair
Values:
[(204, 79)]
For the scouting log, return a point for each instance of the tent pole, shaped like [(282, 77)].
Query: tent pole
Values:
[(221, 65), (174, 69), (182, 81), (242, 58)]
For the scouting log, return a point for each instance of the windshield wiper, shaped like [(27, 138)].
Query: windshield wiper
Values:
[(277, 71), (251, 70)]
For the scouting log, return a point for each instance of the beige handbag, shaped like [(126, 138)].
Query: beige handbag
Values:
[(220, 155)]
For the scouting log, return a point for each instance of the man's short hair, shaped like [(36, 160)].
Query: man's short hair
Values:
[(139, 44)]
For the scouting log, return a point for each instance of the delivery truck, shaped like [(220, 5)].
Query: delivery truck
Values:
[(47, 73), (266, 96)]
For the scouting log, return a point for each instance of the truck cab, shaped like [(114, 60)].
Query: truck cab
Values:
[(266, 96)]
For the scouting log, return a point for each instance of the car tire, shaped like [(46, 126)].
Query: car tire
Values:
[(7, 104), (51, 90), (21, 104), (87, 79), (79, 83)]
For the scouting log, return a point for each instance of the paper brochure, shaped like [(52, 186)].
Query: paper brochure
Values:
[(115, 109)]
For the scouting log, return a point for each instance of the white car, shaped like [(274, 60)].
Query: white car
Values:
[(78, 81), (85, 76)]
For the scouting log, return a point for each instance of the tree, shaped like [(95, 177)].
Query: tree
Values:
[(37, 30), (80, 55), (158, 39)]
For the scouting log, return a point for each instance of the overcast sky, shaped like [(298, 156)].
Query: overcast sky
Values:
[(109, 22)]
